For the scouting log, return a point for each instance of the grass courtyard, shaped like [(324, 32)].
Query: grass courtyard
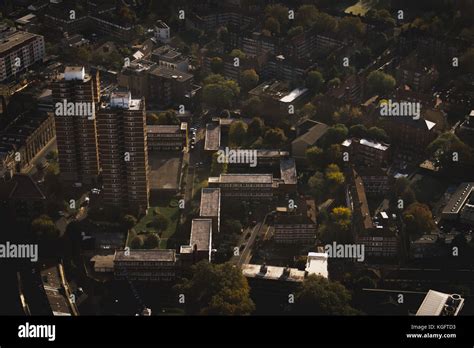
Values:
[(169, 208)]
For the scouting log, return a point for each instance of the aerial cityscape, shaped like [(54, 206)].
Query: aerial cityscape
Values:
[(236, 158)]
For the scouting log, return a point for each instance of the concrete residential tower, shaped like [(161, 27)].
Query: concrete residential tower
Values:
[(121, 125), (75, 96)]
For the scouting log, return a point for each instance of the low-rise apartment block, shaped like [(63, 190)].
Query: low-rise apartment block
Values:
[(367, 152), (167, 137), (200, 242), (279, 99), (297, 225), (256, 186), (210, 206), (145, 265), (18, 51)]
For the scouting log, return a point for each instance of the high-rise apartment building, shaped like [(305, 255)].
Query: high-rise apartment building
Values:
[(75, 96), (121, 126)]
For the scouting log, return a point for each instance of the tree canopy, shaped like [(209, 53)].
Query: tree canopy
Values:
[(320, 296), (216, 289)]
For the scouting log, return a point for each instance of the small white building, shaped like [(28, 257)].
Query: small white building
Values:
[(438, 303), (317, 263)]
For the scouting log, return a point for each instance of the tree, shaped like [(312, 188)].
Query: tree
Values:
[(295, 31), (272, 25), (249, 79), (314, 81), (219, 92), (320, 296), (315, 157), (152, 119), (237, 133), (275, 138), (334, 83), (351, 27), (358, 131), (377, 134), (347, 114), (418, 219), (255, 128), (44, 228), (216, 289), (217, 65), (334, 154), (168, 117), (160, 222), (446, 148), (335, 134), (217, 167), (334, 176), (252, 107), (129, 221), (232, 226), (325, 23), (278, 12), (139, 30), (137, 242), (341, 217), (306, 15), (380, 83), (307, 111), (401, 190), (236, 53), (152, 241), (317, 185)]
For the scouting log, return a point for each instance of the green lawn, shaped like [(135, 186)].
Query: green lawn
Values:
[(168, 208)]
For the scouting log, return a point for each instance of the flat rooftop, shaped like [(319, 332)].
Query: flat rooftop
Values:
[(361, 201), (243, 179), (317, 263), (374, 144), (210, 202), (273, 273), (165, 129), (288, 171), (146, 255), (14, 39), (201, 234), (278, 90), (262, 153), (168, 73), (213, 137)]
